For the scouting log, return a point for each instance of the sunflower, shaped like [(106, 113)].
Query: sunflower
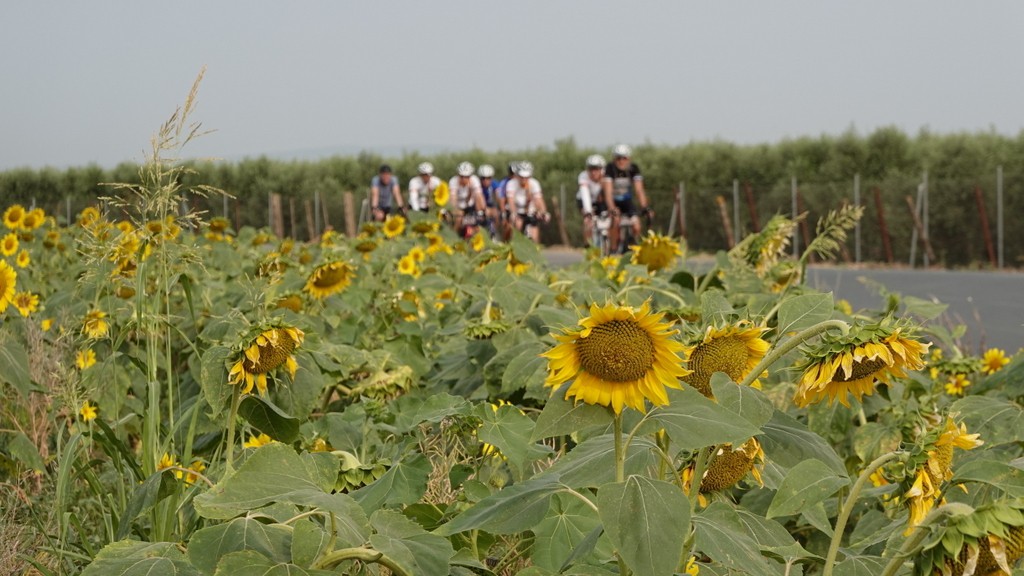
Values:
[(851, 364), (94, 324), (618, 357), (9, 244), (265, 353), (219, 224), (8, 278), (728, 466), (436, 243), (957, 384), (479, 241), (329, 278), (424, 227), (87, 411), (365, 247), (291, 301), (24, 259), (987, 542), (33, 219), (85, 358), (197, 467), (735, 350), (417, 253), (993, 360), (443, 298), (407, 265), (167, 461), (13, 216), (656, 251), (257, 441), (26, 302), (441, 195), (51, 240), (394, 226), (88, 216), (937, 469)]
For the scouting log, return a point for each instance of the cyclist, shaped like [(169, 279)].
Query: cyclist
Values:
[(622, 179), (422, 186), (504, 208), (590, 197), (467, 199), (489, 188), (525, 199), (385, 191)]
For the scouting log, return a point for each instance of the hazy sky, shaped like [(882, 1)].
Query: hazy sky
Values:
[(92, 81)]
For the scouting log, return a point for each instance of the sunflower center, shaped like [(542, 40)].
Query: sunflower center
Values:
[(330, 277), (726, 354), (861, 369), (271, 355), (617, 351)]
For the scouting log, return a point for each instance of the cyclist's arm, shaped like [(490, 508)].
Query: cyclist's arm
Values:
[(609, 200), (374, 197), (538, 201), (588, 205), (641, 194), (396, 195)]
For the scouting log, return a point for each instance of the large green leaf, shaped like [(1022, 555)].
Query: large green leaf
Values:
[(309, 541), (403, 483), (266, 417), (159, 485), (750, 404), (787, 443), (647, 521), (714, 306), (268, 475), (998, 421), (509, 430), (412, 410), (861, 566), (997, 473), (565, 528), (562, 417), (723, 536), (592, 462), (251, 563), (323, 468), (804, 311), (133, 558), (209, 545), (348, 518), (299, 396), (213, 378), (694, 421), (526, 371), (23, 450), (771, 536), (14, 366), (409, 545), (806, 484), (509, 510)]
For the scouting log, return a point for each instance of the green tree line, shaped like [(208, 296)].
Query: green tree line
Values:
[(887, 160)]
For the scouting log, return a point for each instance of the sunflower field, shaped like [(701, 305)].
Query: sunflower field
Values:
[(183, 398)]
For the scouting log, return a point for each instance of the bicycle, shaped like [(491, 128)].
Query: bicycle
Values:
[(603, 223)]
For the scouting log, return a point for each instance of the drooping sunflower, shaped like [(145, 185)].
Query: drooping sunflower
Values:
[(366, 246), (94, 324), (88, 216), (424, 227), (8, 279), (656, 251), (329, 278), (290, 301), (852, 364), (26, 302), (987, 542), (937, 469), (9, 244), (993, 360), (728, 466), (436, 244), (85, 358), (394, 225), (263, 354), (735, 350), (619, 356), (13, 216)]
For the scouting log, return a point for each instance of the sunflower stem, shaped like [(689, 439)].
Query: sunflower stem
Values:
[(363, 554), (851, 501), (675, 297), (236, 399), (706, 280), (699, 466), (910, 545), (786, 347), (620, 456)]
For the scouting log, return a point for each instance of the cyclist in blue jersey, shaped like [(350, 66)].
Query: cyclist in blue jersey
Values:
[(490, 191), (622, 179)]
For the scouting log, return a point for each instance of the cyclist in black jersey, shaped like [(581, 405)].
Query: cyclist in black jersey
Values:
[(622, 179)]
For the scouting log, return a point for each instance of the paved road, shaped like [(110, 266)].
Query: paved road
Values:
[(990, 304)]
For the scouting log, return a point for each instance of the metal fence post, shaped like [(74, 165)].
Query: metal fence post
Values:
[(736, 211), (796, 234), (924, 219), (856, 228), (999, 214)]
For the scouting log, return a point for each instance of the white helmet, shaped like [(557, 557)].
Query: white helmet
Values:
[(595, 161), (524, 169), (622, 151), (485, 171), (426, 168), (465, 169)]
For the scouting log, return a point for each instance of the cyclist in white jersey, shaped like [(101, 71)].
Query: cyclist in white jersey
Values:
[(466, 199), (523, 195), (421, 187), (590, 195)]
